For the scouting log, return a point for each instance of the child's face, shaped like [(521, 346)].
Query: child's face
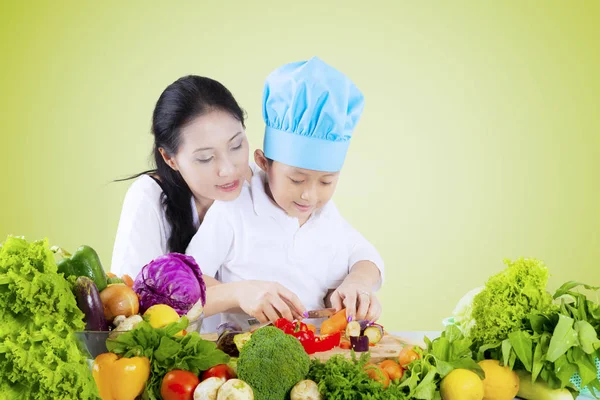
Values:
[(299, 192)]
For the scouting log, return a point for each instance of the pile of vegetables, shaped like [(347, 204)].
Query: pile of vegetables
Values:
[(553, 345), (166, 351), (39, 354)]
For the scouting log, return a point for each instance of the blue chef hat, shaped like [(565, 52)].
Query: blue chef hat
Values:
[(310, 110)]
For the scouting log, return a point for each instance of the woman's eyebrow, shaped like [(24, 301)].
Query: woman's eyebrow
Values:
[(210, 148)]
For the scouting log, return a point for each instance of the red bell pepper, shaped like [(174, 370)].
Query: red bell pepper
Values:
[(310, 342)]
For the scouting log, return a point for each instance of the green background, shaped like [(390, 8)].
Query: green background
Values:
[(480, 139)]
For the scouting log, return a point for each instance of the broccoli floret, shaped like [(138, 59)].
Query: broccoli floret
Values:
[(272, 363)]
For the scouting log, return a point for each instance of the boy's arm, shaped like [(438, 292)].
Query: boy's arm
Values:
[(364, 262)]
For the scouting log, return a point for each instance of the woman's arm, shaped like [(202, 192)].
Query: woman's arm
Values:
[(140, 236)]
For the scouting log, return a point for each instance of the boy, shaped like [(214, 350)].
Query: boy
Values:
[(284, 228)]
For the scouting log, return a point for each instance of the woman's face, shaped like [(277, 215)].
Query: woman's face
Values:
[(213, 156)]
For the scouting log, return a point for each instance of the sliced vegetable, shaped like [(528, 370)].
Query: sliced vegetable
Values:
[(88, 301), (179, 385), (374, 333), (228, 327), (84, 262), (119, 299), (305, 390), (241, 339), (353, 329), (227, 345), (359, 343), (336, 323), (208, 389)]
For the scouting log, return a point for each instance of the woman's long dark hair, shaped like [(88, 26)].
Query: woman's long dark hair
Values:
[(185, 99)]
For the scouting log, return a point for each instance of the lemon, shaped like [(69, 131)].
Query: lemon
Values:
[(160, 315), (462, 384), (500, 382)]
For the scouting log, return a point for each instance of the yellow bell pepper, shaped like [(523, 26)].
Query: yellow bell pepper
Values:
[(120, 379)]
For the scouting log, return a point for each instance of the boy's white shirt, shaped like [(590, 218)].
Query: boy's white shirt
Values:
[(251, 238)]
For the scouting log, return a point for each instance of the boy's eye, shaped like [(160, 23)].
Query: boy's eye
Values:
[(295, 181)]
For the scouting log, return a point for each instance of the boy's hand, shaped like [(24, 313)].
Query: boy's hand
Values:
[(268, 301), (358, 299)]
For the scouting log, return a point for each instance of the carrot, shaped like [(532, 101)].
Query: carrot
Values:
[(110, 275), (128, 281), (334, 324)]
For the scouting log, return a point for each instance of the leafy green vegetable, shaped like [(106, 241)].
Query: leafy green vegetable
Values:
[(563, 342), (507, 299), (39, 354), (166, 351), (343, 379)]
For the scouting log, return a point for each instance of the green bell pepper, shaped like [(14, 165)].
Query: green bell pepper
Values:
[(84, 262)]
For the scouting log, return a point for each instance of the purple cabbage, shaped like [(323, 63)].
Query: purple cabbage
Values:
[(173, 279)]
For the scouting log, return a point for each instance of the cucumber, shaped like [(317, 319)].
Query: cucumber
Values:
[(88, 301)]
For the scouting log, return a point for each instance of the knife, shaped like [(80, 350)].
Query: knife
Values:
[(323, 313)]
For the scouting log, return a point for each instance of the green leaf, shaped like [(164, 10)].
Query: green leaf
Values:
[(538, 361), (426, 388), (168, 348), (586, 365), (521, 343), (564, 370), (567, 286), (506, 349), (564, 338), (470, 364), (588, 338)]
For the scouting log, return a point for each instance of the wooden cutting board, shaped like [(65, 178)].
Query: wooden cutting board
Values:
[(388, 348)]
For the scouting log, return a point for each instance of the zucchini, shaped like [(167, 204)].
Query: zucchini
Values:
[(539, 390), (88, 301)]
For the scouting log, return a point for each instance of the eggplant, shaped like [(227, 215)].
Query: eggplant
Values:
[(226, 344), (88, 301), (374, 333), (359, 343), (356, 328), (228, 326)]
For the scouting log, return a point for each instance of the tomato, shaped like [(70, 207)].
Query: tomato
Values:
[(394, 370), (407, 355), (219, 371), (377, 374), (179, 385)]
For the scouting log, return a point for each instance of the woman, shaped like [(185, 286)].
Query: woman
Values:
[(201, 155)]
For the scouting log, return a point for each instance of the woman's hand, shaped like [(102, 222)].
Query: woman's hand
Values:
[(358, 299), (268, 301)]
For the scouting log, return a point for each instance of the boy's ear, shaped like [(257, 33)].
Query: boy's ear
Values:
[(261, 160)]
